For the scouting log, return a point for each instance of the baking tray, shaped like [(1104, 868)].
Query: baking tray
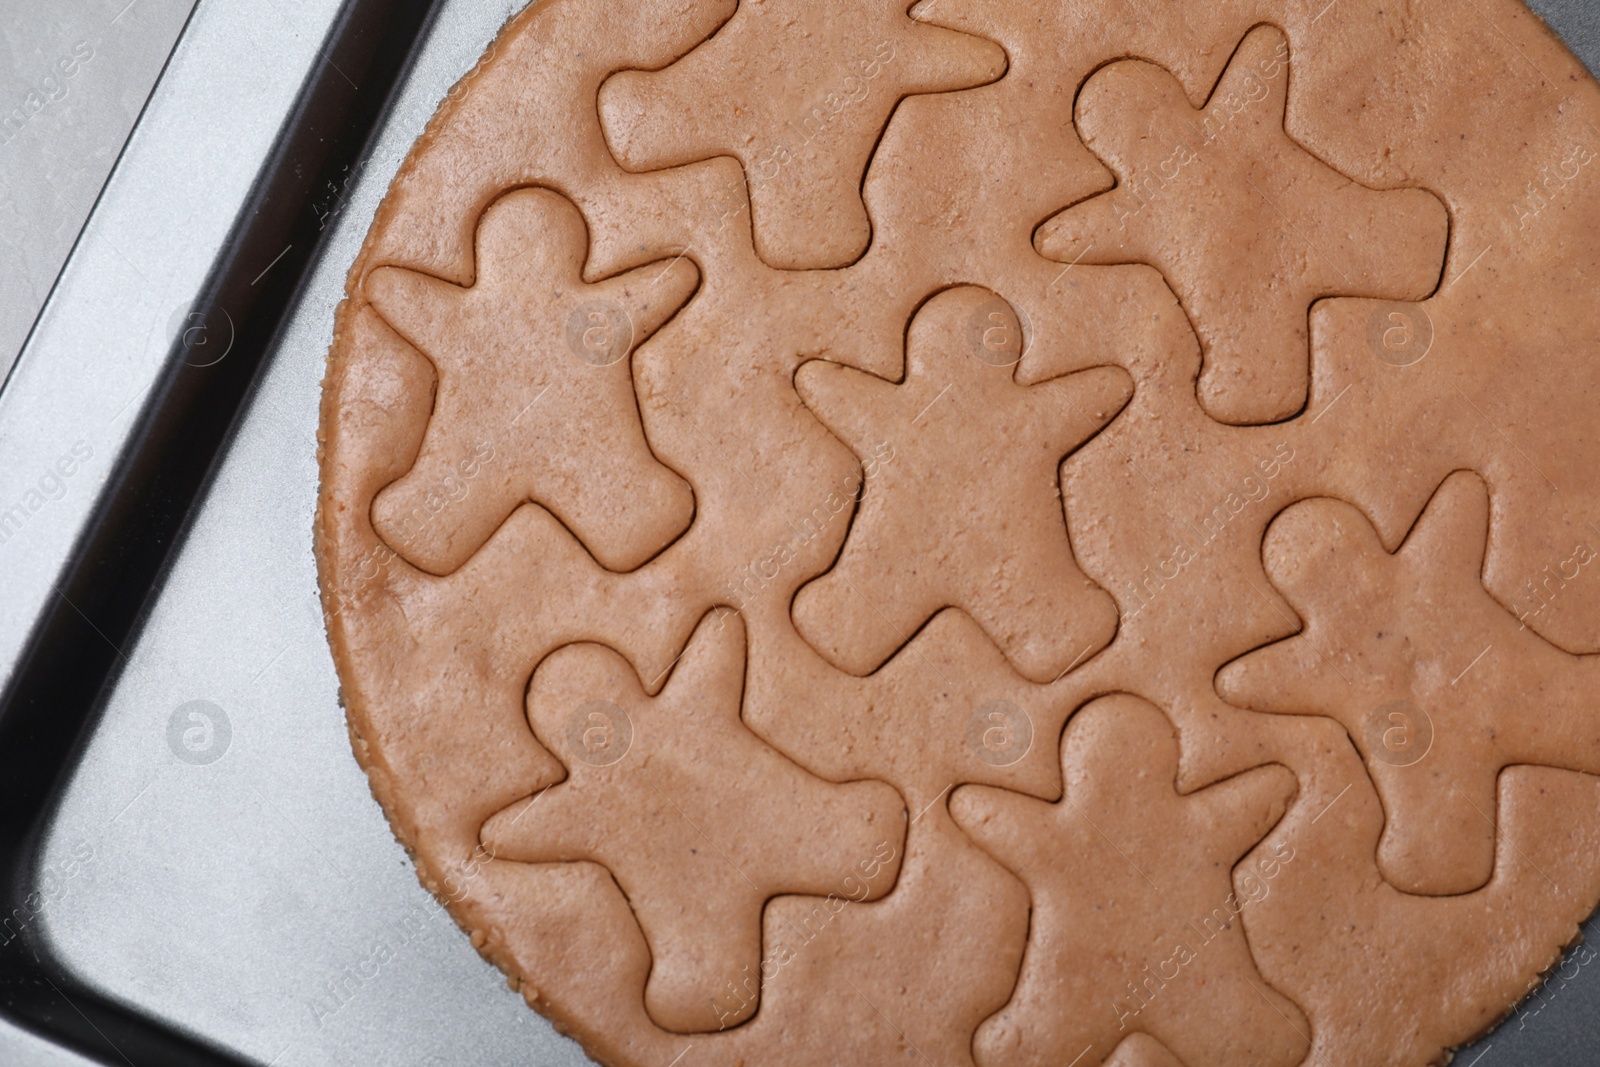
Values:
[(203, 875)]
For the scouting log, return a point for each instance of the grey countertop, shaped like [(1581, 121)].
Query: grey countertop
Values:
[(74, 76)]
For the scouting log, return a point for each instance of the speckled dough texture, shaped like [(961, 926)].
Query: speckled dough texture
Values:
[(999, 532)]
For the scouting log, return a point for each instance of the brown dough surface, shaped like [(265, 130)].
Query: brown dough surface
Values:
[(987, 533)]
